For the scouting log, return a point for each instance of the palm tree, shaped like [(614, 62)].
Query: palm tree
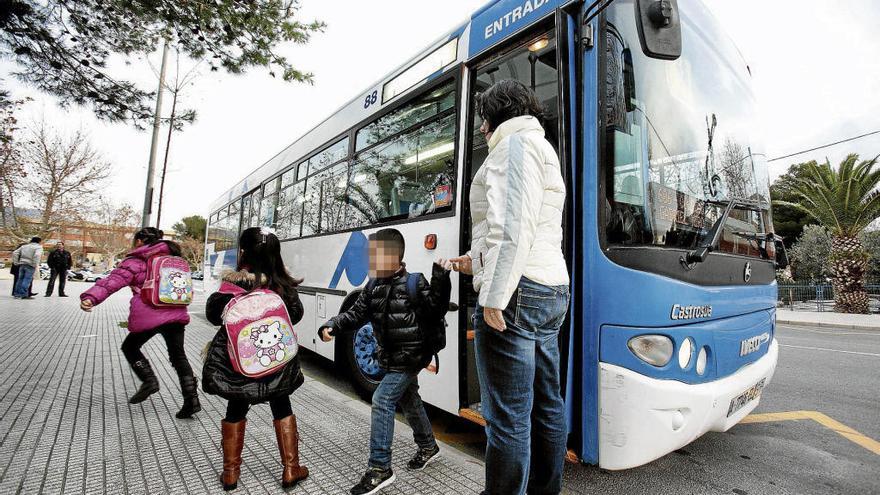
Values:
[(845, 202)]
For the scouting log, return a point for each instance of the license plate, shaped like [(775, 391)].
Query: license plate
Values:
[(744, 398)]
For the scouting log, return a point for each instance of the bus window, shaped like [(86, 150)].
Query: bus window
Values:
[(534, 64), (406, 165), (430, 105), (407, 176), (269, 203), (678, 144), (333, 183), (329, 156)]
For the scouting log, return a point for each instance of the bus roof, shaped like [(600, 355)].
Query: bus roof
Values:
[(488, 26)]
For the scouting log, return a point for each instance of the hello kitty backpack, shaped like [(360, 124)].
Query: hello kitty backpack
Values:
[(260, 336), (168, 282)]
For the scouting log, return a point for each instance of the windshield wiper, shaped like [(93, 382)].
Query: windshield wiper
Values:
[(699, 254)]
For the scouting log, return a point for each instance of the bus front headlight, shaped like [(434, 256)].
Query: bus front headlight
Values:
[(655, 350)]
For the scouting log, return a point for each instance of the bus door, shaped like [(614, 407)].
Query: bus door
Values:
[(539, 58)]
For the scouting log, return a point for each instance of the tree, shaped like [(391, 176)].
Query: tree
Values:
[(12, 170), (845, 202), (63, 46), (810, 253), (192, 226), (871, 241), (176, 120), (63, 173), (113, 229), (193, 251), (789, 222)]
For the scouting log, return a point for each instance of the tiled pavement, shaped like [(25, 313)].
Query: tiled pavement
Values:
[(66, 425)]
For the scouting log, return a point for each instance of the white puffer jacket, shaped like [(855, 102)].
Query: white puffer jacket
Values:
[(516, 200)]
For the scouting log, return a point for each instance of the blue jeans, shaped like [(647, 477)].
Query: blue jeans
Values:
[(25, 277), (397, 388), (520, 390)]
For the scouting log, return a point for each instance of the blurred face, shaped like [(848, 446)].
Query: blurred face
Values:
[(384, 259), (484, 128), (60, 245)]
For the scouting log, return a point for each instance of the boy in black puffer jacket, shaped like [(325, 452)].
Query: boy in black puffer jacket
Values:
[(403, 350)]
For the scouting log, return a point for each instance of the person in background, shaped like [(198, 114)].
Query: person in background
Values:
[(59, 262), (28, 258), (145, 321), (260, 266), (13, 269), (517, 198)]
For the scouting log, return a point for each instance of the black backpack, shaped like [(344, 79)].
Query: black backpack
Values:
[(434, 331)]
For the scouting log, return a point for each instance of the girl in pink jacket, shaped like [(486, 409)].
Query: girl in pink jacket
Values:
[(146, 321)]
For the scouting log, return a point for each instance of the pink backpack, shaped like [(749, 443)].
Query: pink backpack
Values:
[(261, 339), (168, 282)]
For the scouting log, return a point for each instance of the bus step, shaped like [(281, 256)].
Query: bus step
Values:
[(473, 414)]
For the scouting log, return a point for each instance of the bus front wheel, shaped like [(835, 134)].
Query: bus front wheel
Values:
[(360, 351)]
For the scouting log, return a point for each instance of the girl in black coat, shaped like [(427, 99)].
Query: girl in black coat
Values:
[(260, 265)]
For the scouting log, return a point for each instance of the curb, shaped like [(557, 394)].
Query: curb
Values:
[(842, 326)]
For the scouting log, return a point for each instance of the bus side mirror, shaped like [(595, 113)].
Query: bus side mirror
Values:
[(659, 28), (781, 254)]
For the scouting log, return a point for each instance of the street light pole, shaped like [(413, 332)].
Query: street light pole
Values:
[(157, 121)]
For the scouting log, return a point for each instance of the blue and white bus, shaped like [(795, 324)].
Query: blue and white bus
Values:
[(668, 232)]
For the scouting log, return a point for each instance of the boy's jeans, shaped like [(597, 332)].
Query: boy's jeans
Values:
[(25, 277), (397, 388), (520, 389)]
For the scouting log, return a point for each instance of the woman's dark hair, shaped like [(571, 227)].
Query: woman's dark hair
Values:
[(505, 100), (152, 235), (261, 255)]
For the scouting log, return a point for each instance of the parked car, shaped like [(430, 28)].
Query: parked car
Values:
[(2, 265), (94, 277), (198, 275), (77, 274)]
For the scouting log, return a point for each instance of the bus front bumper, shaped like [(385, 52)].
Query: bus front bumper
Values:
[(642, 419)]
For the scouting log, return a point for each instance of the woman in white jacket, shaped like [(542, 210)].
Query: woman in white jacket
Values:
[(517, 198)]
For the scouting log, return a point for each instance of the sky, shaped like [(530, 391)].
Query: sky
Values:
[(815, 66)]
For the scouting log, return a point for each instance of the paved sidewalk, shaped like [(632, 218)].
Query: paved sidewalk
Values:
[(66, 425), (828, 319)]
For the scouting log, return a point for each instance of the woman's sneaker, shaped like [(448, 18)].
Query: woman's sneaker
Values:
[(423, 457), (374, 480)]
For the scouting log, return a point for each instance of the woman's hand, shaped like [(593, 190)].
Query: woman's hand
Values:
[(86, 305), (495, 318), (463, 264), (444, 263), (325, 334)]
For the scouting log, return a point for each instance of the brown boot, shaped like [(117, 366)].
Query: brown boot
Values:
[(233, 442), (288, 445)]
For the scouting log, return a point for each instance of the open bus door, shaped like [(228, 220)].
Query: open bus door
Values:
[(543, 58)]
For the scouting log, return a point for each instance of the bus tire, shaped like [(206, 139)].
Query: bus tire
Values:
[(359, 354), (347, 361)]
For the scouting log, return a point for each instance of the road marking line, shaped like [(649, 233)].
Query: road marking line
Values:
[(830, 350), (790, 327), (824, 420)]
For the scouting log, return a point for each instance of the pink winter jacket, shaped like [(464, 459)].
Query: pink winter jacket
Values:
[(131, 273)]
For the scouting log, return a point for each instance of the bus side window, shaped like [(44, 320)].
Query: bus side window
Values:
[(405, 168)]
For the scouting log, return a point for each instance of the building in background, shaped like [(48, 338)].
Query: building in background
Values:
[(91, 244)]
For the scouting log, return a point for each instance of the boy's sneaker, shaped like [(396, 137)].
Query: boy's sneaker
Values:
[(423, 457), (374, 480)]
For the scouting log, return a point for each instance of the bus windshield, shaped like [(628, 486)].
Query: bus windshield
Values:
[(680, 139)]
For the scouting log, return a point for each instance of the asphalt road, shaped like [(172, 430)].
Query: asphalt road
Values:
[(829, 371), (790, 457)]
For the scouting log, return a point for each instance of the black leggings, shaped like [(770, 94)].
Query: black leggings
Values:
[(236, 410), (172, 333)]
